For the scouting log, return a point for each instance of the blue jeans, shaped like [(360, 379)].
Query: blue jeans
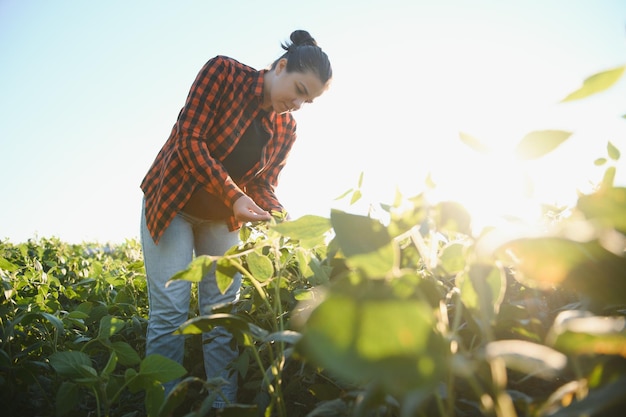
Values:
[(169, 307)]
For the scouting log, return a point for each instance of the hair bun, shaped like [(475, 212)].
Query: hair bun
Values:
[(304, 54), (301, 38)]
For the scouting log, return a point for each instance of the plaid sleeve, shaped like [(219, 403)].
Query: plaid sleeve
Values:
[(194, 125)]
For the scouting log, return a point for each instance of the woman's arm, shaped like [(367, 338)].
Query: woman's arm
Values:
[(194, 123)]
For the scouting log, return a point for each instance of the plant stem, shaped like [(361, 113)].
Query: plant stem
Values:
[(95, 393), (255, 283)]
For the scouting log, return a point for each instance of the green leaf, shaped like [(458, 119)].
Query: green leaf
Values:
[(539, 143), (356, 196), (201, 324), (371, 337), (526, 357), (360, 180), (155, 395), (76, 366), (597, 83), (197, 269), (365, 242), (257, 332), (474, 143), (578, 333), (89, 376), (451, 216), (176, 397), (225, 271), (607, 400), (241, 330), (109, 326), (613, 152), (309, 230), (304, 294), (553, 261), (129, 374), (607, 206), (7, 266), (482, 290), (111, 364), (608, 178), (543, 262), (452, 258), (76, 314), (69, 364), (54, 320), (305, 261), (429, 182), (156, 367), (599, 162), (127, 356), (67, 398), (345, 194), (260, 266), (321, 272)]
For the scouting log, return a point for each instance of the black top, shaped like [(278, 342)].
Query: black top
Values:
[(246, 153), (248, 150)]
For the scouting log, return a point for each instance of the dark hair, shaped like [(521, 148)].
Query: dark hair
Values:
[(303, 54)]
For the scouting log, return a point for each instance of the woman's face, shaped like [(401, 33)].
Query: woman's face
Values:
[(288, 91)]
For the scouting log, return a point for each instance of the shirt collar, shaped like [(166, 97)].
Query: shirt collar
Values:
[(257, 89), (258, 83)]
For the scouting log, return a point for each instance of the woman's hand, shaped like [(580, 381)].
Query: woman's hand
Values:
[(246, 210)]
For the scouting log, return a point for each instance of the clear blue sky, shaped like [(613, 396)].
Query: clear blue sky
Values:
[(89, 92)]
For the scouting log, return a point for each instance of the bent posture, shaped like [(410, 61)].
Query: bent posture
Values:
[(218, 169)]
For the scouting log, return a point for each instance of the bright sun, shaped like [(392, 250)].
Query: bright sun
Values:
[(495, 190)]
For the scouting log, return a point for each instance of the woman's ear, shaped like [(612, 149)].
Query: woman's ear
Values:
[(280, 65)]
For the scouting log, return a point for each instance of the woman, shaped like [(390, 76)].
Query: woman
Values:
[(217, 170)]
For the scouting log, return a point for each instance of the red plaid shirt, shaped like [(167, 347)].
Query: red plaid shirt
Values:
[(224, 99)]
